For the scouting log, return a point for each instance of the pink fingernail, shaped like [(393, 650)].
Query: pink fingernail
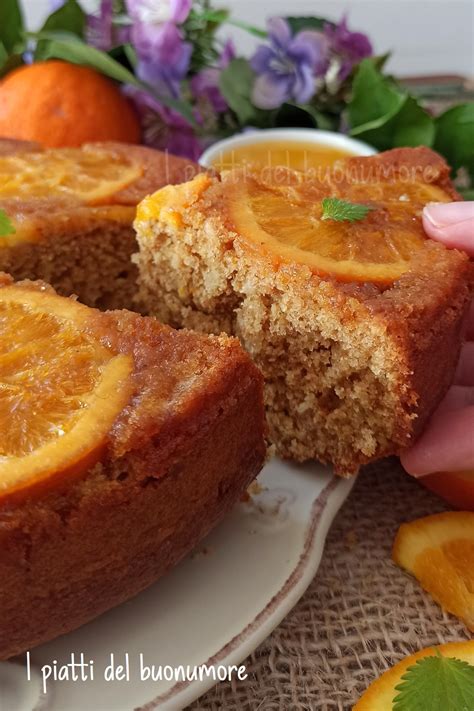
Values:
[(443, 214)]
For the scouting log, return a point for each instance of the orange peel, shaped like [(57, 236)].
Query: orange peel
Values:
[(61, 389)]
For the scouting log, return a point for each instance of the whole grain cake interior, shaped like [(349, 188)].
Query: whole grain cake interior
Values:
[(353, 366)]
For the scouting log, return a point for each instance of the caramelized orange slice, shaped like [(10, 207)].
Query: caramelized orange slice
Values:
[(60, 388), (91, 177), (381, 693), (280, 213), (439, 551)]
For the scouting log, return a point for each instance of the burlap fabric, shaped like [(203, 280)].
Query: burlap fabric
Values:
[(360, 615)]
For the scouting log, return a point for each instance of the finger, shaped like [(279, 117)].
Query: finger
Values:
[(457, 397), (447, 444), (451, 223), (470, 323), (465, 370)]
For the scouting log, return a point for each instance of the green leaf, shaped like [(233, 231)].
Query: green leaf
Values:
[(218, 17), (63, 45), (70, 17), (3, 54), (13, 61), (322, 120), (412, 126), (11, 24), (454, 137), (307, 23), (343, 210), (436, 683), (374, 99), (384, 115), (251, 29), (130, 53), (235, 83), (6, 226), (303, 115)]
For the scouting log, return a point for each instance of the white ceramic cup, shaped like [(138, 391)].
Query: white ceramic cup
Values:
[(329, 139)]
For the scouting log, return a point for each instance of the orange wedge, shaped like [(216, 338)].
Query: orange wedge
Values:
[(439, 551), (61, 389), (381, 694), (89, 176), (280, 213)]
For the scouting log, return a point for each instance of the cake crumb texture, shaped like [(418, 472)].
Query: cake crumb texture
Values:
[(352, 370)]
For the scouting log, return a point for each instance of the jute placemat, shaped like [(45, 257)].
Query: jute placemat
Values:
[(360, 615)]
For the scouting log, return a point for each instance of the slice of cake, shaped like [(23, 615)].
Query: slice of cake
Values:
[(352, 314), (123, 443), (73, 211)]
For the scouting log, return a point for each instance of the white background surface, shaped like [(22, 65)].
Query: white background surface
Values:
[(427, 36)]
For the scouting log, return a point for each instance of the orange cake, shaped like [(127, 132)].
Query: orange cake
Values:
[(123, 444), (73, 209), (356, 325)]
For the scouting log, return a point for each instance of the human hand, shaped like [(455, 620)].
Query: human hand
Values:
[(447, 444)]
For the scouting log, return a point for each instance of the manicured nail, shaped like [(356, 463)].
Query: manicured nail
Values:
[(441, 214)]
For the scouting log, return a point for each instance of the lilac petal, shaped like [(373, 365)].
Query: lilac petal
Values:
[(99, 29), (55, 4), (279, 32), (308, 46), (227, 55), (162, 44), (359, 45), (133, 8), (206, 84), (354, 44), (271, 90), (180, 10), (304, 85), (260, 62)]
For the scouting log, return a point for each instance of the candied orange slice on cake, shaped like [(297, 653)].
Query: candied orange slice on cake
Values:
[(280, 212), (61, 389), (439, 551), (89, 176), (381, 694)]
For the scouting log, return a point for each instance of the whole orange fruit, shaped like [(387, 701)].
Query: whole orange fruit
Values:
[(62, 104)]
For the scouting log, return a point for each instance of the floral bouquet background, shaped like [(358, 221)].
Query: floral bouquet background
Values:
[(191, 87)]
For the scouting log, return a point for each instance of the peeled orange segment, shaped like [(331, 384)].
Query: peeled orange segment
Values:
[(60, 388), (90, 177), (381, 693), (439, 551), (282, 215)]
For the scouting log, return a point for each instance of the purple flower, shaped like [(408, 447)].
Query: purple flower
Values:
[(157, 12), (162, 52), (164, 128), (205, 84), (287, 69), (56, 4), (350, 47), (99, 28), (164, 56)]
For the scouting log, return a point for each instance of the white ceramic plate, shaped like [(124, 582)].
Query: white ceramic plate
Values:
[(213, 609)]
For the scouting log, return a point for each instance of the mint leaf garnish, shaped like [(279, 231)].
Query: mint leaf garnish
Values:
[(436, 683), (343, 210), (6, 226)]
